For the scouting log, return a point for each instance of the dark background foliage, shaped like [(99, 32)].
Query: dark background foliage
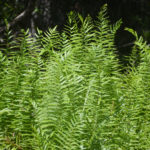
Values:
[(48, 13)]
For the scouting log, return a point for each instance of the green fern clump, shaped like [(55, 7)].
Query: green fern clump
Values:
[(136, 97), (66, 91), (82, 84), (19, 73)]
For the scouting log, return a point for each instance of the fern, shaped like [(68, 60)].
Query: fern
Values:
[(78, 81), (18, 78), (136, 103), (76, 98)]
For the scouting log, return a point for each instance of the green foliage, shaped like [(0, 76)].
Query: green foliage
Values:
[(77, 98)]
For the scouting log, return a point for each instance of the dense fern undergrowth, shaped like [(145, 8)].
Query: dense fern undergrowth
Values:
[(66, 91)]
